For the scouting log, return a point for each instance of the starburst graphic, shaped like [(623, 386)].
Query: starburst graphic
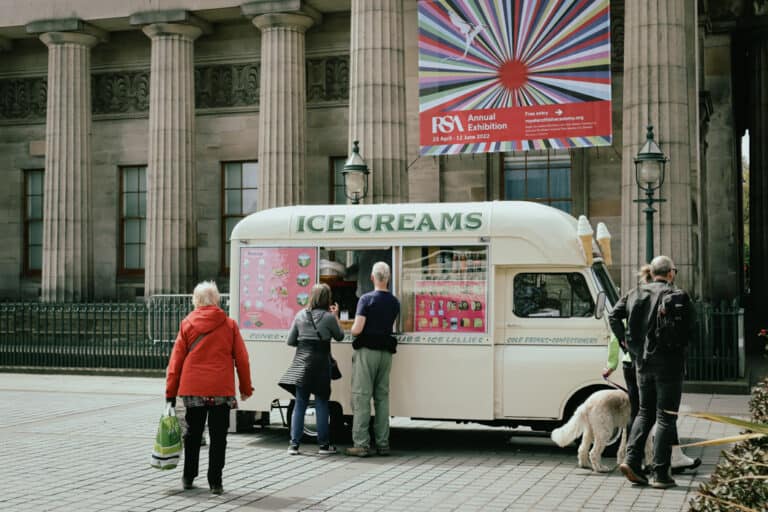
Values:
[(497, 54)]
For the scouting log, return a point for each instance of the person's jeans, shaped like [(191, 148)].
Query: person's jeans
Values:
[(370, 379), (630, 377), (658, 393), (218, 424), (297, 418)]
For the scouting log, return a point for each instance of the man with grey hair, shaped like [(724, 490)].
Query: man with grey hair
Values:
[(372, 361), (659, 373)]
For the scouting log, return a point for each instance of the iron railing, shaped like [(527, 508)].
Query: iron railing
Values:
[(717, 354), (113, 335), (140, 335)]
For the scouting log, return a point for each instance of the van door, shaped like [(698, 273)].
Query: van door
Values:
[(552, 343)]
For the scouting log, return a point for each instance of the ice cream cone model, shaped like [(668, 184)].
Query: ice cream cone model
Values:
[(584, 232), (604, 241)]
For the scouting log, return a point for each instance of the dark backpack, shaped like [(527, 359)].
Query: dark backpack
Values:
[(672, 323)]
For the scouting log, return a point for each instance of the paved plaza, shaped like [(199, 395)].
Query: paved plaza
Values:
[(82, 443)]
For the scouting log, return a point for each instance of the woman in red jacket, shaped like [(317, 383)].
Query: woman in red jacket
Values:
[(201, 371)]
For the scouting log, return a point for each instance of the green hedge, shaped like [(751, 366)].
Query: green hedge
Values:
[(740, 480)]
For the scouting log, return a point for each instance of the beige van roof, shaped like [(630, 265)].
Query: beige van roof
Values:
[(521, 232)]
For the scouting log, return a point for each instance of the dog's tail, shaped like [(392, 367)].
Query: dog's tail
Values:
[(566, 434)]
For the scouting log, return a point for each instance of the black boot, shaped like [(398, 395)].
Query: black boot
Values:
[(661, 478)]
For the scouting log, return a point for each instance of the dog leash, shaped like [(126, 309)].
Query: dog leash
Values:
[(617, 386)]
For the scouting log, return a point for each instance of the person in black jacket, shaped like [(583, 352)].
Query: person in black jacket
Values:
[(659, 376), (310, 372)]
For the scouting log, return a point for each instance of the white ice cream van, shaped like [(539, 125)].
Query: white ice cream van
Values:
[(503, 310)]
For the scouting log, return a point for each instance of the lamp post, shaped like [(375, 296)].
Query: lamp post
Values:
[(355, 174), (649, 175)]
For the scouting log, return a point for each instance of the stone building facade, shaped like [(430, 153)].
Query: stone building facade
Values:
[(135, 134)]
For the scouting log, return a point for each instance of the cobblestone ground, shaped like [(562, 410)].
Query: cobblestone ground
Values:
[(83, 444)]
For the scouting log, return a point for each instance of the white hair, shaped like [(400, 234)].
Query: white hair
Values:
[(206, 294), (662, 265), (380, 272)]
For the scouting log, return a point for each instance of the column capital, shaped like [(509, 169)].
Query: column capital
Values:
[(190, 32), (171, 22), (283, 19), (65, 27), (54, 38)]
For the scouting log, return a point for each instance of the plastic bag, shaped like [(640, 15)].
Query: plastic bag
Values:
[(167, 449)]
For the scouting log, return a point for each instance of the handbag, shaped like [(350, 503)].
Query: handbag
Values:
[(167, 448), (335, 372)]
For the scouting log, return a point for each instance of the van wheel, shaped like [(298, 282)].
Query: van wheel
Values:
[(340, 426)]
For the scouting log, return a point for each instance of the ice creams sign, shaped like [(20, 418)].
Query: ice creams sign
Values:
[(390, 222)]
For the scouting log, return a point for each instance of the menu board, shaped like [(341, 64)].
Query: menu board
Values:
[(450, 306), (274, 285)]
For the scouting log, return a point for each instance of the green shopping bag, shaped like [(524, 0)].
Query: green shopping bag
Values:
[(167, 449)]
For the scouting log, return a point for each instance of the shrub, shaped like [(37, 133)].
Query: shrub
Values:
[(740, 480)]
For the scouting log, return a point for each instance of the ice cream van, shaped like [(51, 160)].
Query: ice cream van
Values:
[(502, 304)]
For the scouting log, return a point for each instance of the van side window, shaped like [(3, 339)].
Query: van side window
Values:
[(558, 295), (444, 289)]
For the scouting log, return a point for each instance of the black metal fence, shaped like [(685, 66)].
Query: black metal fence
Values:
[(718, 352), (113, 335), (140, 335)]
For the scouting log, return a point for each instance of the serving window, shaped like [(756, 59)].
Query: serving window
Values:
[(444, 289), (558, 295)]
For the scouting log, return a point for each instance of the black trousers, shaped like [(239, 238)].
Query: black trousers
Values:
[(658, 393), (630, 377), (218, 425)]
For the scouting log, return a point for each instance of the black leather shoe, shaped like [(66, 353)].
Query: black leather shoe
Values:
[(663, 481), (217, 489), (186, 484), (696, 463), (633, 474)]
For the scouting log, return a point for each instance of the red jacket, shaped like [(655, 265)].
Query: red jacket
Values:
[(209, 369)]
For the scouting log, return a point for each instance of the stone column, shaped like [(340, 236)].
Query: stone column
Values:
[(656, 85), (377, 96), (282, 107), (171, 258), (67, 273)]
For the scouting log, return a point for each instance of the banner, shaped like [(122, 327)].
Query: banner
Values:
[(513, 75)]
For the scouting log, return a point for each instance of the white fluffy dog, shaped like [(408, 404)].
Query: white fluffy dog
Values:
[(596, 420)]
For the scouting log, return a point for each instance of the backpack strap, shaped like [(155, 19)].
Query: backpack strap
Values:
[(196, 342), (312, 321)]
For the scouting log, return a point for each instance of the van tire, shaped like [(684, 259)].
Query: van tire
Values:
[(570, 408), (340, 427)]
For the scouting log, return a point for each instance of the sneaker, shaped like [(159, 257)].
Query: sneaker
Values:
[(358, 451), (662, 481), (326, 449), (383, 451), (217, 489), (689, 464), (633, 474), (186, 484), (293, 449)]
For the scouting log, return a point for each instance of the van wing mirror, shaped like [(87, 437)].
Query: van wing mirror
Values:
[(600, 306)]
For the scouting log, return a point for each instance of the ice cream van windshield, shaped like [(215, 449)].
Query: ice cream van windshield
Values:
[(604, 278)]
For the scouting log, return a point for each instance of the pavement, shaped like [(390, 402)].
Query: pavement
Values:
[(82, 443)]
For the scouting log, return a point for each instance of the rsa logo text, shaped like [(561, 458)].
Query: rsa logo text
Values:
[(447, 124)]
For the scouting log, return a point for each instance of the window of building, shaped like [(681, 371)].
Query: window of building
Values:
[(337, 195), (540, 176), (33, 221), (133, 218), (444, 289), (240, 197), (560, 295)]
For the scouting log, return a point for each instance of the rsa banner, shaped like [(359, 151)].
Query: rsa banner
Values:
[(513, 75)]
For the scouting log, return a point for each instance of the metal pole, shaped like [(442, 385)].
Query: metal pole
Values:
[(649, 211)]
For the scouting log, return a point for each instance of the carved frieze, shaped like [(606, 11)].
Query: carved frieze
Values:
[(120, 93), (328, 79), (216, 86), (23, 98)]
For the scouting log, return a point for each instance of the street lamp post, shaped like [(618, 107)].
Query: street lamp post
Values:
[(649, 175), (355, 174)]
